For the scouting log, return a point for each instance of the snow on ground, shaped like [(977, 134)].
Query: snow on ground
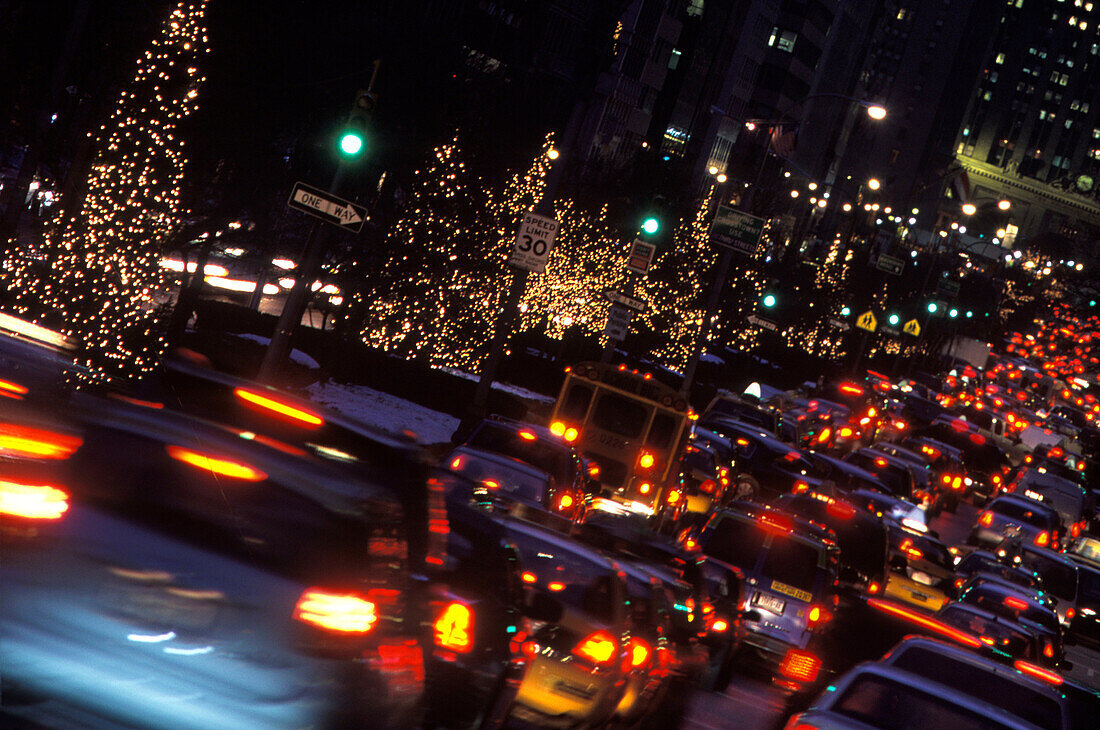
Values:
[(296, 356), (384, 411)]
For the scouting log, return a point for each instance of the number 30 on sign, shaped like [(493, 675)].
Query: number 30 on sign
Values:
[(533, 242)]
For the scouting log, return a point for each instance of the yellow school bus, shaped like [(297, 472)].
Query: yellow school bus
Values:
[(633, 426)]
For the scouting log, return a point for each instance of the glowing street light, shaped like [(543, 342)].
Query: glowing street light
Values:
[(874, 183), (969, 209), (876, 112), (1004, 204)]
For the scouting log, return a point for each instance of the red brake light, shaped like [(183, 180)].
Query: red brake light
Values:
[(529, 577), (565, 501), (800, 665), (646, 460), (925, 621), (673, 496), (1070, 612), (957, 483), (851, 389), (598, 647), (776, 523), (32, 501), (1044, 674), (818, 614), (1042, 539), (594, 470), (846, 432), (216, 465), (638, 653), (527, 435), (824, 435), (800, 487), (880, 462), (571, 434), (348, 613), (841, 510), (719, 625), (708, 486), (985, 519), (557, 428), (454, 628), (645, 488), (874, 588), (1015, 603), (556, 586), (273, 406), (35, 443)]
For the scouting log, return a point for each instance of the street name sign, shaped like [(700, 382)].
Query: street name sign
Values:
[(618, 321), (948, 287), (840, 324), (641, 256), (761, 322), (733, 229), (867, 321), (619, 298), (912, 327), (534, 240), (889, 264), (328, 207)]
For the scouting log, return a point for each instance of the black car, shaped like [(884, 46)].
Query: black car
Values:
[(765, 466), (163, 571), (897, 474), (1085, 625)]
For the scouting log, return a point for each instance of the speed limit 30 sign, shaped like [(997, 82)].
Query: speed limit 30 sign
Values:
[(533, 242)]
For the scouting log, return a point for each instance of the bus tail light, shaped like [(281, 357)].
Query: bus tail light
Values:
[(800, 665), (646, 460)]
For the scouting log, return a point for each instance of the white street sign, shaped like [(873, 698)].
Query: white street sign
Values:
[(328, 207), (534, 240)]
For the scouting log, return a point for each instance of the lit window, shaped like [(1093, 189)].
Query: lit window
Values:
[(783, 40)]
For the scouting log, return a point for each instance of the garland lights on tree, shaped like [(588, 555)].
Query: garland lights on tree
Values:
[(102, 272)]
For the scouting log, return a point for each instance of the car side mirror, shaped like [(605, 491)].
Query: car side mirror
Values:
[(542, 607)]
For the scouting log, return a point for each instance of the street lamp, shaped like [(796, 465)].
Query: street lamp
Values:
[(969, 209), (874, 184)]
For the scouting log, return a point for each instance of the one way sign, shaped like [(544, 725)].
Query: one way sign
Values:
[(326, 206)]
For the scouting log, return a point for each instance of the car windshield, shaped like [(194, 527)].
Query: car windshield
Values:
[(1001, 690), (885, 703)]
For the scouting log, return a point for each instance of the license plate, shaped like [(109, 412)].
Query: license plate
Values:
[(770, 603)]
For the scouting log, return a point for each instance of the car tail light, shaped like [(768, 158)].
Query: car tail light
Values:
[(800, 665), (1038, 672), (874, 588), (841, 510), (556, 586), (823, 437), (846, 432), (23, 442), (594, 470), (32, 501), (959, 582), (796, 723), (1042, 539), (985, 519), (880, 462), (276, 407), (645, 488), (454, 628), (1015, 603), (557, 428), (1048, 650), (818, 615), (638, 653), (598, 648), (565, 501), (215, 464), (850, 389), (12, 390), (708, 486), (719, 624), (673, 496), (571, 434), (946, 479), (347, 613), (800, 487), (924, 621), (1070, 612), (957, 483), (996, 479), (529, 577)]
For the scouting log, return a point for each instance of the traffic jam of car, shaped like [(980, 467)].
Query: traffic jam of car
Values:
[(208, 552)]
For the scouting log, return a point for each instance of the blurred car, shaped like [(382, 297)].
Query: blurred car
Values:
[(862, 538), (1057, 573), (891, 508), (267, 587), (765, 466), (897, 474), (948, 470), (921, 569), (1011, 602), (988, 563), (507, 484), (925, 487), (792, 567), (1067, 497), (703, 478), (1023, 690), (847, 477), (726, 405), (1017, 640), (873, 695), (1015, 517), (1085, 624)]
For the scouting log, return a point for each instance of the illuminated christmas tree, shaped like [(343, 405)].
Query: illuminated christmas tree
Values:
[(434, 297), (100, 275)]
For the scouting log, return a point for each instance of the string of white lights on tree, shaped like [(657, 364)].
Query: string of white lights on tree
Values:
[(96, 280)]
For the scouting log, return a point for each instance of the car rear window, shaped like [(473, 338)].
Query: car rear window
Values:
[(500, 478), (792, 562), (737, 542), (1015, 511), (1000, 690), (883, 703), (505, 440)]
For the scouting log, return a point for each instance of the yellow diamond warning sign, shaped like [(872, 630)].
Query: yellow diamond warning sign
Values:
[(867, 321)]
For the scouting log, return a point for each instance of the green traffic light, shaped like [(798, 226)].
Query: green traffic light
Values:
[(651, 225), (351, 142), (845, 311), (933, 307), (969, 314), (1092, 302), (768, 300), (952, 313), (893, 319)]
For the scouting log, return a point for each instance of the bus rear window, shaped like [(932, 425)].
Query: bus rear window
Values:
[(620, 416), (662, 432), (575, 405)]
